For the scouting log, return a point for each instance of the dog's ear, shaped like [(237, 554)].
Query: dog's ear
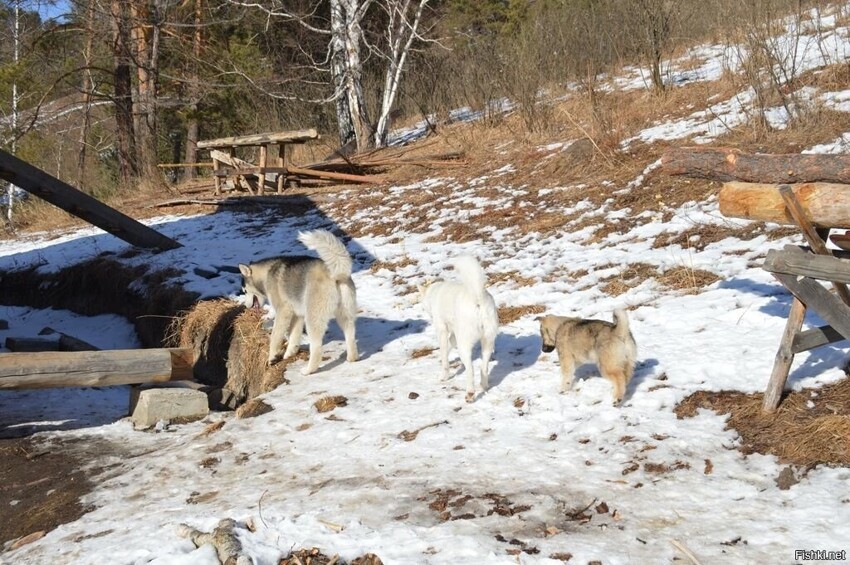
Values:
[(245, 270), (539, 318)]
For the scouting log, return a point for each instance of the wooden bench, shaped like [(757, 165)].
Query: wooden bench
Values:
[(226, 163)]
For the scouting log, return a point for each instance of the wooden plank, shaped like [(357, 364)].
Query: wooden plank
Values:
[(55, 369), (180, 165), (329, 175), (784, 357), (37, 182), (827, 205), (282, 163), (822, 267), (726, 164), (71, 343), (296, 136), (812, 235), (816, 297), (816, 337)]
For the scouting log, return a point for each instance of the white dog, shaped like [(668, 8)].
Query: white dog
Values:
[(464, 313)]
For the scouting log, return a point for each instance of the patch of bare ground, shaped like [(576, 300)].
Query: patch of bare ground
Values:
[(680, 278), (701, 236), (817, 124), (810, 427), (509, 314), (44, 482), (422, 352)]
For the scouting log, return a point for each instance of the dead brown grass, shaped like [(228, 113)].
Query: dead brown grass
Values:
[(630, 277), (700, 237), (687, 279), (328, 403), (510, 314), (795, 433), (422, 352)]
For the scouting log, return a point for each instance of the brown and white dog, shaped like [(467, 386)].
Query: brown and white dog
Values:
[(577, 340)]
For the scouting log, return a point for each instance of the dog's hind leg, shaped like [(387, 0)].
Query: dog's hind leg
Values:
[(487, 347), (316, 329), (465, 351), (294, 340), (346, 322), (619, 377), (443, 337)]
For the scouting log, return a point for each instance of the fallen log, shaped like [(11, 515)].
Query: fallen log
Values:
[(55, 369), (826, 204), (334, 176), (724, 164)]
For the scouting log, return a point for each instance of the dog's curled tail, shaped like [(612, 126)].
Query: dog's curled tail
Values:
[(471, 275), (330, 249), (621, 322)]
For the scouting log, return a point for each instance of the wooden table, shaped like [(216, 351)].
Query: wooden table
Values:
[(226, 163)]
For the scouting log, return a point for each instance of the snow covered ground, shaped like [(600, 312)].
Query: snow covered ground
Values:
[(523, 474)]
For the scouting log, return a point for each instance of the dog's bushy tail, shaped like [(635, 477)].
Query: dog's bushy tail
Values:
[(331, 250), (621, 322), (471, 275)]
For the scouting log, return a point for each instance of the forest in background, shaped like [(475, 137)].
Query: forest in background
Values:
[(104, 90)]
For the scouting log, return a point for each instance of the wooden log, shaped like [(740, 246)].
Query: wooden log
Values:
[(54, 369), (37, 182), (71, 343), (181, 165), (724, 164), (826, 205), (297, 136)]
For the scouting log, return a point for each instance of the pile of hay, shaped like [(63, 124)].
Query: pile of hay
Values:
[(230, 347), (810, 427)]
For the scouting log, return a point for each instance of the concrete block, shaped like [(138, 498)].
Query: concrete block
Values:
[(149, 406)]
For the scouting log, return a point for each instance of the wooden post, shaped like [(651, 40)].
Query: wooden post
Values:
[(264, 155), (80, 204), (54, 369), (784, 357), (216, 170), (281, 163)]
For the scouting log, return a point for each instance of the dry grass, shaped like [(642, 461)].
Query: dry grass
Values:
[(509, 314), (328, 403), (687, 279), (795, 433), (700, 237), (422, 352), (631, 276), (230, 347)]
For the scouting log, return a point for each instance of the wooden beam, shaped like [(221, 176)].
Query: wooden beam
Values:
[(725, 164), (816, 297), (179, 165), (329, 175), (822, 267), (784, 357), (37, 182), (55, 369), (815, 337), (31, 344), (297, 136)]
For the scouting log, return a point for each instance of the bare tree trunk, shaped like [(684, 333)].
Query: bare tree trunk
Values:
[(193, 129), (127, 160), (401, 32), (88, 90), (146, 35), (347, 70)]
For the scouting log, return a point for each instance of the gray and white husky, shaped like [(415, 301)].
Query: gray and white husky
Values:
[(306, 291)]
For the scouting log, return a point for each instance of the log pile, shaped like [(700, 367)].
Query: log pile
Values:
[(821, 183)]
